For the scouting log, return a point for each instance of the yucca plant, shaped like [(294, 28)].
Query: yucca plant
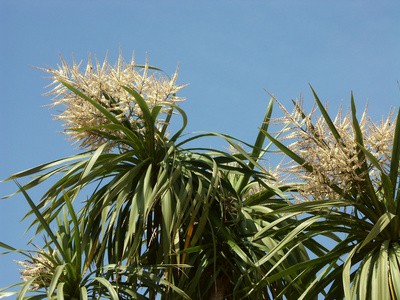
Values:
[(140, 185), (64, 268), (350, 193), (158, 219)]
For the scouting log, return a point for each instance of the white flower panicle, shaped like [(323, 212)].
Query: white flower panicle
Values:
[(335, 162), (39, 268), (105, 84)]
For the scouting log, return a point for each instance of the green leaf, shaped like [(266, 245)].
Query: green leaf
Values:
[(83, 293), (239, 252), (147, 116), (394, 164), (259, 143), (60, 291), (184, 123), (328, 120), (95, 103), (394, 269), (368, 186), (6, 294), (287, 239), (289, 153), (257, 151), (5, 246), (108, 286), (365, 275), (41, 219), (76, 232), (25, 288), (54, 280), (346, 273), (379, 226), (92, 161), (380, 280)]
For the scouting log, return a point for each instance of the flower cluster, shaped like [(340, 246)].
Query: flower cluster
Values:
[(105, 84), (335, 162), (39, 268)]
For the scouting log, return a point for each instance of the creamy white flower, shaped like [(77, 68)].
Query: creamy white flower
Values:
[(335, 162), (39, 268), (105, 84)]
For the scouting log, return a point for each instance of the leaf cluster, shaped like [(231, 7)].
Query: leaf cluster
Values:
[(160, 218)]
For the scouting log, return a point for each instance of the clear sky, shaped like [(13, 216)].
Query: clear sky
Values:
[(229, 51)]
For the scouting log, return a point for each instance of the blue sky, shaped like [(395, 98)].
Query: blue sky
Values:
[(229, 52)]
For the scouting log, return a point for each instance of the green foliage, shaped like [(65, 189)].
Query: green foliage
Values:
[(142, 215), (364, 263), (159, 218)]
